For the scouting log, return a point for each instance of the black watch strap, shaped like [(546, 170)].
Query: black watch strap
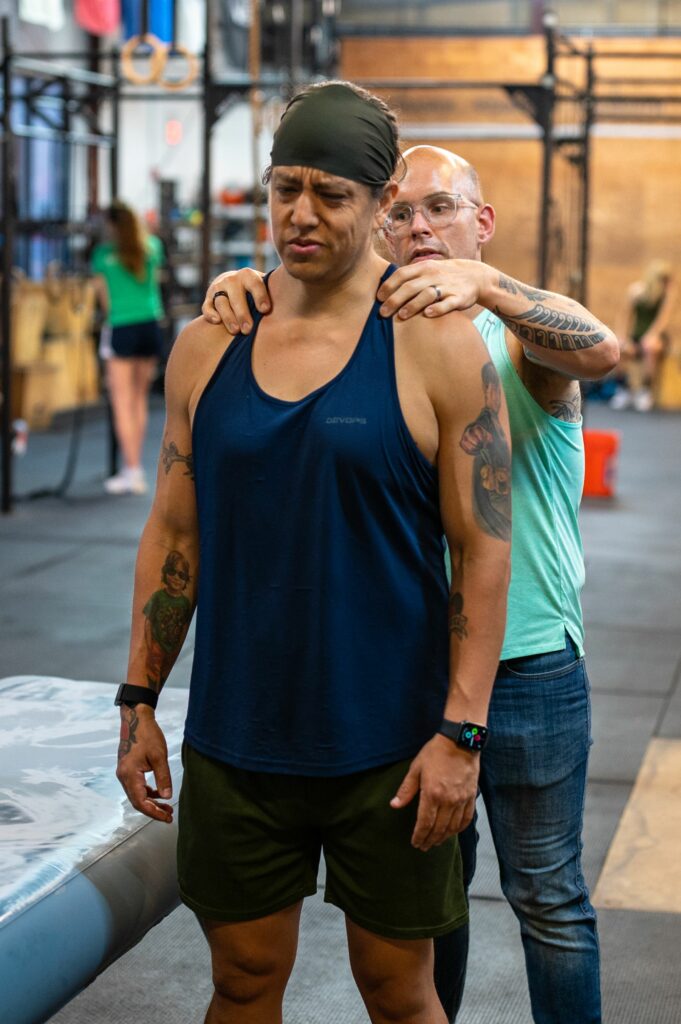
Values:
[(467, 735), (131, 695)]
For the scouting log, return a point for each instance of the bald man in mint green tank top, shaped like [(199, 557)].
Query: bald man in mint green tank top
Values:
[(534, 767)]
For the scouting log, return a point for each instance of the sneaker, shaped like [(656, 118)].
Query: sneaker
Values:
[(621, 399), (643, 400), (128, 481)]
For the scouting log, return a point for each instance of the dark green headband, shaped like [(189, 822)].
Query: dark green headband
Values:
[(335, 130)]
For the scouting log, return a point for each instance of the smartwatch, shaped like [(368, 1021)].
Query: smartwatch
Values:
[(468, 735), (132, 695)]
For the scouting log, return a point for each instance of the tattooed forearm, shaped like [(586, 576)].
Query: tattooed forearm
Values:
[(547, 326), (168, 613), (170, 454), (457, 619), (485, 440), (552, 329), (129, 723), (568, 409)]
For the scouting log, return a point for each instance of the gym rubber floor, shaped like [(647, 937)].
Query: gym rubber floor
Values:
[(65, 583)]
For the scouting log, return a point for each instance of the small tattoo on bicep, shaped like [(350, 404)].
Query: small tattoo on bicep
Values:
[(485, 440), (171, 454), (457, 619), (568, 409)]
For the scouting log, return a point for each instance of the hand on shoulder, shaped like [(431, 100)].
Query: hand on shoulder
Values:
[(436, 287)]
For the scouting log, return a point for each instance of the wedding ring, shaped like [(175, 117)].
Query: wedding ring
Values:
[(216, 294), (438, 293)]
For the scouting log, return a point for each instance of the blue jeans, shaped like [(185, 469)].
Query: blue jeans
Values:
[(533, 781)]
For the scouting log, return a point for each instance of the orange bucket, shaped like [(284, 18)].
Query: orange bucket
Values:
[(601, 448)]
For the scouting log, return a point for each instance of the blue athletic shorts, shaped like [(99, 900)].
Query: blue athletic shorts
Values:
[(133, 341)]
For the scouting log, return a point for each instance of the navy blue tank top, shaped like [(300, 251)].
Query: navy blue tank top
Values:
[(321, 634)]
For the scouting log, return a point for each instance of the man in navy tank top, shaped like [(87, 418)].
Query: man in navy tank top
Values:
[(533, 772), (339, 690)]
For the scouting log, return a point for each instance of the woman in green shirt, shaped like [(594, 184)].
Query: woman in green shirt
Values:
[(644, 337), (127, 269)]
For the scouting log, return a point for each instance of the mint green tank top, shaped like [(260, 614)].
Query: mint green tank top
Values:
[(547, 560)]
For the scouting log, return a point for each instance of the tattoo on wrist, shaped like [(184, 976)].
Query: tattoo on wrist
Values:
[(168, 613), (171, 454), (457, 619), (129, 723), (485, 440), (507, 284)]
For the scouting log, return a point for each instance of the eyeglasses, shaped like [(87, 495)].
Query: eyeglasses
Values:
[(439, 210), (184, 576)]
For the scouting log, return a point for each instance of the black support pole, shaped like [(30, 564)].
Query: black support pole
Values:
[(8, 214), (206, 184)]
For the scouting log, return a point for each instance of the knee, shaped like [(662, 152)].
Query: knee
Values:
[(249, 976), (548, 903), (393, 998)]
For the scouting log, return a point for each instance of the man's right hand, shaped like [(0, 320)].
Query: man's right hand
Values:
[(232, 308), (143, 749)]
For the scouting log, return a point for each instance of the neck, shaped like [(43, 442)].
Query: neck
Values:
[(327, 297)]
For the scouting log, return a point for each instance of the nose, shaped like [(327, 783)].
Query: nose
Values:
[(303, 214), (419, 224)]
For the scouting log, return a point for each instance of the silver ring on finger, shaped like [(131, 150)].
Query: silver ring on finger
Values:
[(438, 293)]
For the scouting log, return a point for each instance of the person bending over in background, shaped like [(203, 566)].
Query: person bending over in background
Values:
[(643, 337), (127, 281), (533, 769), (338, 697)]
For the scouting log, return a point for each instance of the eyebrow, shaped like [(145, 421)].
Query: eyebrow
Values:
[(434, 195), (325, 183)]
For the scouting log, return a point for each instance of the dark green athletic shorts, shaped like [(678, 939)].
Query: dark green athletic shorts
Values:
[(249, 845)]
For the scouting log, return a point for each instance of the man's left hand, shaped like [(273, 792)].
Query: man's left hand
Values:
[(447, 778), (415, 288)]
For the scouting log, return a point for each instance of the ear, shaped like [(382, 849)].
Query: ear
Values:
[(486, 224), (388, 240), (384, 204)]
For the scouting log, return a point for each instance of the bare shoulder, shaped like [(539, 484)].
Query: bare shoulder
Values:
[(448, 350), (195, 355)]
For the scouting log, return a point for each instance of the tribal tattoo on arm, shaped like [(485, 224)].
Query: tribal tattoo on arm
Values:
[(171, 454), (568, 409), (485, 440), (545, 326)]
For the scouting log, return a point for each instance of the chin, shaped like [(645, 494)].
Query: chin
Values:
[(307, 269)]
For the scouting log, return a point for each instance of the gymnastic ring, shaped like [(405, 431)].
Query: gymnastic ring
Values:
[(192, 68), (157, 59)]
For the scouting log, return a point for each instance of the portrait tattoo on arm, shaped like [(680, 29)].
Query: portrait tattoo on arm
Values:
[(171, 454), (485, 440), (168, 613), (546, 326), (457, 619)]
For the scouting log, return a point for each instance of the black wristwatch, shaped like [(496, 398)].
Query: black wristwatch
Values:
[(468, 735), (132, 695)]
